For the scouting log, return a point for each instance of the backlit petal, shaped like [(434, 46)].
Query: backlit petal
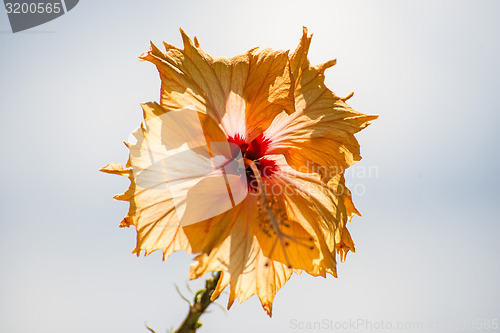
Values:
[(192, 78), (319, 135)]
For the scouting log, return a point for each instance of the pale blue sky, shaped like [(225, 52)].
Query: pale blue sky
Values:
[(428, 242)]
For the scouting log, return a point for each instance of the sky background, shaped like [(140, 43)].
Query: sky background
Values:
[(427, 246)]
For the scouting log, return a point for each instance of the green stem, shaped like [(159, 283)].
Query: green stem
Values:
[(200, 304)]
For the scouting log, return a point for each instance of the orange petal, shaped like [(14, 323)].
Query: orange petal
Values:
[(192, 78), (243, 264), (319, 135)]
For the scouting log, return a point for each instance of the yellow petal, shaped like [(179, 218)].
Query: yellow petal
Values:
[(170, 186), (268, 90), (343, 243), (153, 214), (192, 78), (319, 135), (252, 256), (317, 207), (321, 209), (243, 264)]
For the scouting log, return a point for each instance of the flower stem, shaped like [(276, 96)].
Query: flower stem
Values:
[(200, 304)]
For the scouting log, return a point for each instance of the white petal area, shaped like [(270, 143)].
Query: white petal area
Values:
[(233, 121)]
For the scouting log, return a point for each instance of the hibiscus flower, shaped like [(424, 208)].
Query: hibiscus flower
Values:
[(292, 139)]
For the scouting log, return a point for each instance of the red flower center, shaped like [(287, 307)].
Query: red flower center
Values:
[(255, 151)]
